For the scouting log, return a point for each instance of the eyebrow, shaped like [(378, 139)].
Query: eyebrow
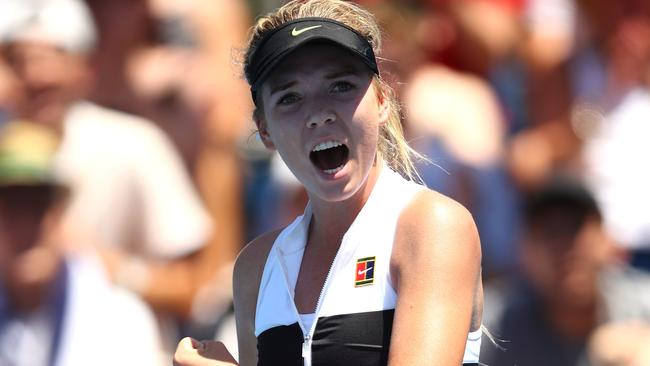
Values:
[(345, 71), (281, 87)]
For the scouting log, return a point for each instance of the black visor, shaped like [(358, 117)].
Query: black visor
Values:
[(291, 35)]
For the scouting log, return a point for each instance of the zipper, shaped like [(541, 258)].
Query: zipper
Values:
[(307, 335), (306, 350), (306, 345)]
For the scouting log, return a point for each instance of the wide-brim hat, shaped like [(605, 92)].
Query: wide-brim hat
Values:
[(27, 155), (65, 24)]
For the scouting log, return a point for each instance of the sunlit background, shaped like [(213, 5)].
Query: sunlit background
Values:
[(131, 175)]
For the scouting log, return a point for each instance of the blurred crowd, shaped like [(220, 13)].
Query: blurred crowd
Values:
[(131, 174)]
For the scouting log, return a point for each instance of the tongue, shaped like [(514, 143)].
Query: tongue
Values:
[(330, 158)]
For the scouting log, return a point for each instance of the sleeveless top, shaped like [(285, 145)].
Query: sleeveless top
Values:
[(354, 314)]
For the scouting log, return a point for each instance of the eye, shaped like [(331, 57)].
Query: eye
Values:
[(342, 86), (288, 99)]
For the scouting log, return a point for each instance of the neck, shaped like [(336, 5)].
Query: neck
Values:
[(331, 220), (29, 299), (574, 322), (29, 295)]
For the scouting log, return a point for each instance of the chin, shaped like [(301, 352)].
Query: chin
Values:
[(338, 196), (339, 189), (50, 115), (331, 192)]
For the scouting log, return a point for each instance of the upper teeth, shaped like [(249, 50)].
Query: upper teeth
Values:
[(326, 145)]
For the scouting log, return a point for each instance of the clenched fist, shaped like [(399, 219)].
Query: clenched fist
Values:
[(191, 352)]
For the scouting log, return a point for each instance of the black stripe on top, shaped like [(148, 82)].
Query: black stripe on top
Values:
[(358, 339), (280, 346)]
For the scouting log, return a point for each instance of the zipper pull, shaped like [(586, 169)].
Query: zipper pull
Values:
[(306, 346)]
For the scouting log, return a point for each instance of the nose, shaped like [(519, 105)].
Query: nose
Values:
[(37, 76), (320, 117)]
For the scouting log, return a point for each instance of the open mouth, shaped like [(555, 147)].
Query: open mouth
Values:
[(329, 156)]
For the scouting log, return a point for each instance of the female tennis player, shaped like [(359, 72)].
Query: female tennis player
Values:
[(379, 269)]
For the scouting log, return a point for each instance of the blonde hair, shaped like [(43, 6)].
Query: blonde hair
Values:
[(392, 145)]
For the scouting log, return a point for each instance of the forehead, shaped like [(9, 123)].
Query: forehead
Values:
[(23, 198), (35, 51), (313, 58)]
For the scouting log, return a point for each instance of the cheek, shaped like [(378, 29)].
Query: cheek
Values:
[(285, 126), (285, 140), (370, 138), (538, 266), (367, 126)]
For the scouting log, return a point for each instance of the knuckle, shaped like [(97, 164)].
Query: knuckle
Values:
[(181, 357)]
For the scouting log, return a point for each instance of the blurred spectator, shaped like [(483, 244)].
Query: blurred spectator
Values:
[(173, 63), (453, 117), (132, 198), (621, 138), (612, 143), (56, 308), (546, 316), (488, 31), (620, 135), (550, 32), (544, 141), (608, 52)]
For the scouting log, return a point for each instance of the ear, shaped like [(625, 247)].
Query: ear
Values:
[(263, 132), (383, 109)]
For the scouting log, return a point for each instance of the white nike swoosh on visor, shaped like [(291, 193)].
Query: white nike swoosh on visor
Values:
[(295, 32)]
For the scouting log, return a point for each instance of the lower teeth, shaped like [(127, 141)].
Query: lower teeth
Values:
[(332, 171)]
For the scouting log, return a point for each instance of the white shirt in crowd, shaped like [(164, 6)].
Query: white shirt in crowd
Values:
[(617, 169), (130, 187)]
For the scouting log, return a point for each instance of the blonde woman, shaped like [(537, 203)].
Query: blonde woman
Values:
[(379, 269)]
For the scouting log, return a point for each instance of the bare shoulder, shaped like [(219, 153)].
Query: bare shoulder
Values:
[(249, 267), (432, 212), (255, 252), (247, 275), (438, 229), (251, 259)]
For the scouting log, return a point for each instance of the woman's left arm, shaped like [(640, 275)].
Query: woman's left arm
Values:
[(435, 268)]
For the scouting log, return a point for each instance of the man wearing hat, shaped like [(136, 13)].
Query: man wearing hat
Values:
[(131, 197), (56, 308)]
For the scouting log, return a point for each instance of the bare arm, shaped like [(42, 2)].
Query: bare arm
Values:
[(246, 282), (436, 270)]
